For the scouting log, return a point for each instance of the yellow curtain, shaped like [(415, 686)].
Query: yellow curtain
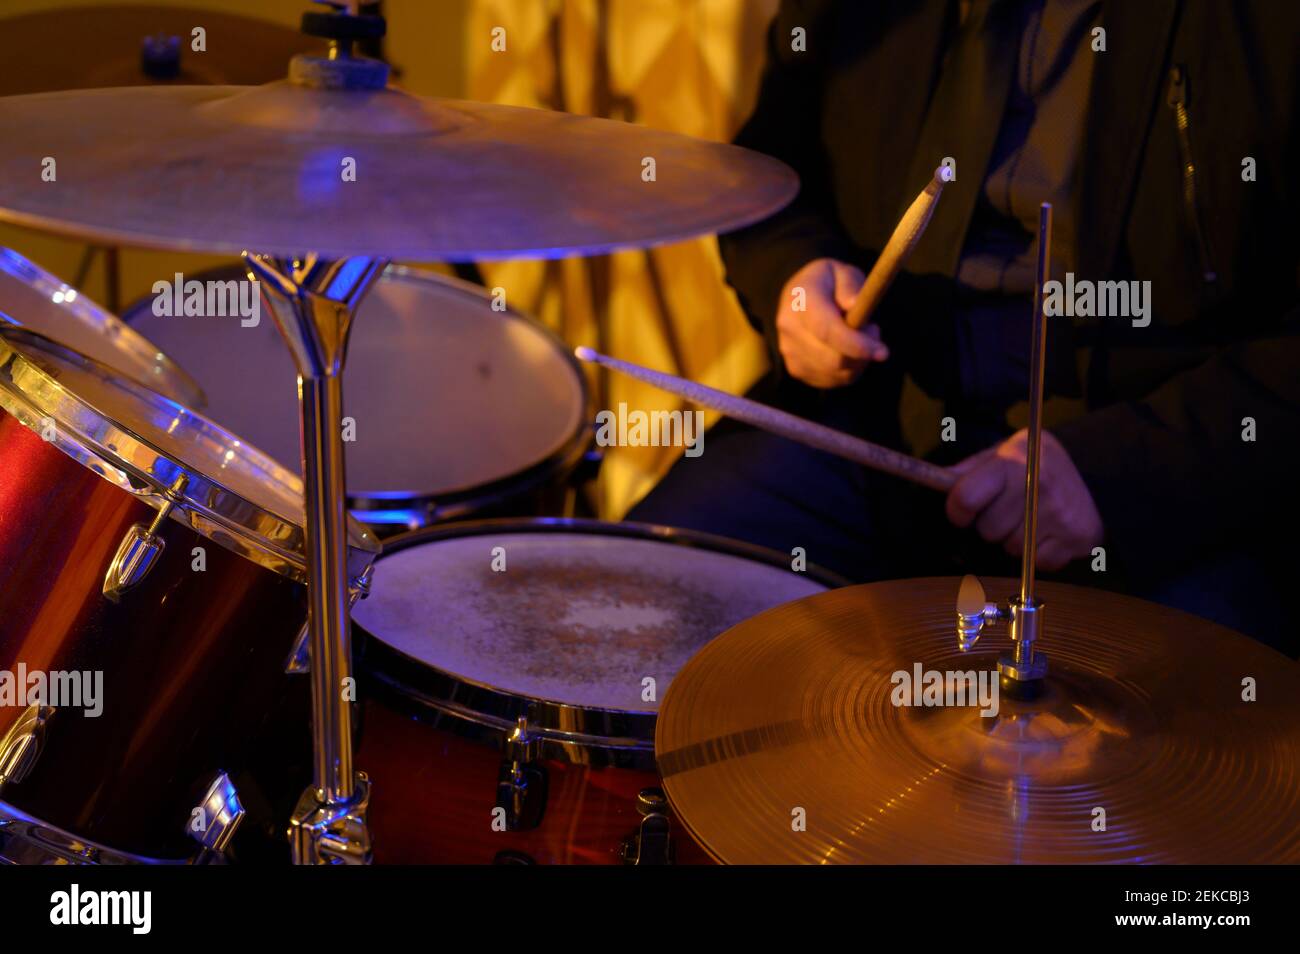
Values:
[(689, 66)]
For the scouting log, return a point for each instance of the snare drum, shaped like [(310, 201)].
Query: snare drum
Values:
[(514, 669), (458, 409), (152, 574)]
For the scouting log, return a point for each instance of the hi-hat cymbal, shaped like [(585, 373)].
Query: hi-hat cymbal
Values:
[(786, 720), (270, 169)]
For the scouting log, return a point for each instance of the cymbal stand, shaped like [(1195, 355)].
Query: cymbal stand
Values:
[(319, 299), (1025, 667), (329, 824)]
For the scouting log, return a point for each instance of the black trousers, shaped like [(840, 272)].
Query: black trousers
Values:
[(867, 526)]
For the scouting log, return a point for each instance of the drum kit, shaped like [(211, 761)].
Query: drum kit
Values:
[(181, 514)]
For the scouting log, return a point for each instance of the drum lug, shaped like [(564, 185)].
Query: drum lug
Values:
[(322, 834), (521, 783), (139, 550), (299, 660), (136, 556), (652, 844), (222, 813), (21, 745)]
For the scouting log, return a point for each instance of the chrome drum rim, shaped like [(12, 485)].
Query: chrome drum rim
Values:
[(130, 461), (137, 351)]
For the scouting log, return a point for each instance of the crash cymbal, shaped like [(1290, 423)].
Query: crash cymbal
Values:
[(263, 168), (788, 717)]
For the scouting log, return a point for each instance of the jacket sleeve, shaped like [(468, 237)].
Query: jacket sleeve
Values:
[(1207, 460), (786, 123), (1201, 460)]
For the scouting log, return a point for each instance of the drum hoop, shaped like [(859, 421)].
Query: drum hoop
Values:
[(575, 733), (54, 844), (180, 384), (145, 471)]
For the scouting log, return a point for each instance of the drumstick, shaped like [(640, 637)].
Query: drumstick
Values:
[(786, 425), (906, 234)]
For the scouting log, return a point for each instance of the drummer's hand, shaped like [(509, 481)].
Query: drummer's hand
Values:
[(819, 348), (991, 494)]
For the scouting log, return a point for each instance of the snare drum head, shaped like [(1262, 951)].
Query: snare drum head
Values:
[(578, 618), (446, 394), (35, 299)]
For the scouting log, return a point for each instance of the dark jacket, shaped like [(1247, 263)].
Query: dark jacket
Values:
[(1161, 444)]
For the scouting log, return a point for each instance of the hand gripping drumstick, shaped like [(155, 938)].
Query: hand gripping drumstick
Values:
[(906, 234), (786, 425)]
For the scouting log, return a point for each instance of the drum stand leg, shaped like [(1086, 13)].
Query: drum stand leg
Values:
[(329, 824)]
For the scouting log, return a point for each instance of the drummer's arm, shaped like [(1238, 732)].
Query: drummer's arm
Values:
[(1199, 464), (1204, 461), (786, 123)]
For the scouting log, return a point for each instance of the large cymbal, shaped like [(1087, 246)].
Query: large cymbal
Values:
[(1143, 717), (229, 168)]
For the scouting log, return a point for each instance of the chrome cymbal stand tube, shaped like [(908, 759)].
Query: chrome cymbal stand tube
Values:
[(1026, 611), (1025, 667), (329, 823)]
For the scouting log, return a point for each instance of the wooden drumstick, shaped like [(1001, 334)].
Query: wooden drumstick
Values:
[(786, 425), (906, 234)]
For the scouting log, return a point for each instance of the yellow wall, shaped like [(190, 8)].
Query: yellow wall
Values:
[(688, 66)]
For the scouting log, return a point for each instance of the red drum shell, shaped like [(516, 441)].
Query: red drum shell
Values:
[(432, 731), (190, 656), (193, 663), (433, 789)]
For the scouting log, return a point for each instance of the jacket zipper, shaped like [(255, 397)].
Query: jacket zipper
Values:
[(1177, 100)]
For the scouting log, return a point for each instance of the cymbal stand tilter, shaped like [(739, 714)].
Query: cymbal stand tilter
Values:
[(1022, 672)]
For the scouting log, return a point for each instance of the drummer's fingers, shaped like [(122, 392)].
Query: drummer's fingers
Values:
[(813, 362), (983, 479), (848, 282), (1000, 518), (1053, 554), (829, 326)]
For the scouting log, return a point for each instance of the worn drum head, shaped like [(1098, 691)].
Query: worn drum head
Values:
[(450, 399), (571, 621)]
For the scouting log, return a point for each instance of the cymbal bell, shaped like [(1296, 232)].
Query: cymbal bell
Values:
[(285, 169), (1142, 747)]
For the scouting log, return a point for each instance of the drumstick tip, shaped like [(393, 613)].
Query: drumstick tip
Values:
[(584, 353)]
